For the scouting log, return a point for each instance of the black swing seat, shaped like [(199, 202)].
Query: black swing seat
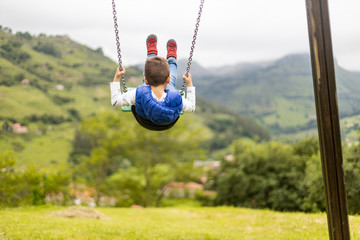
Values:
[(150, 125)]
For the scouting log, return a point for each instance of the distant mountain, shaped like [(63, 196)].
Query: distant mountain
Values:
[(356, 73), (279, 93)]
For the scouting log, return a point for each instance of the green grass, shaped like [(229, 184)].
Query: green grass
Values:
[(19, 101), (49, 150), (168, 223), (289, 114), (348, 126)]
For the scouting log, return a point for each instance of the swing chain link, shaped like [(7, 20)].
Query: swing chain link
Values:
[(193, 44), (123, 83)]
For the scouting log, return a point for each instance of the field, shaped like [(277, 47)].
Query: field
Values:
[(166, 223)]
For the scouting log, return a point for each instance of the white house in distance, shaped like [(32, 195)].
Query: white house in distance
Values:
[(18, 129), (25, 81), (60, 87)]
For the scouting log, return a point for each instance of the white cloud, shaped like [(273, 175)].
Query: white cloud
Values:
[(230, 30)]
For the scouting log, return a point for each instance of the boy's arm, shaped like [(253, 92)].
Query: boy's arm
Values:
[(118, 99), (189, 103)]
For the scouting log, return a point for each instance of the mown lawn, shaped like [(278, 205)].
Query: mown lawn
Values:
[(167, 223)]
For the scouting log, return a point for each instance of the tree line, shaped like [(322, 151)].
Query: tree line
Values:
[(115, 156)]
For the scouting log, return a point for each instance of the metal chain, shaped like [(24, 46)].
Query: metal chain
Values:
[(123, 83), (193, 44)]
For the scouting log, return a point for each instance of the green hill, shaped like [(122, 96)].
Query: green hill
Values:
[(279, 94), (50, 83)]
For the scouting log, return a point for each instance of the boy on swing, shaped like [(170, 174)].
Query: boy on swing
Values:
[(157, 100)]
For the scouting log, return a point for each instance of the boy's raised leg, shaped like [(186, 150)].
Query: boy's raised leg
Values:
[(151, 44), (171, 47), (151, 49)]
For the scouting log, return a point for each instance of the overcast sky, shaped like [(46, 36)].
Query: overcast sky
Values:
[(231, 31)]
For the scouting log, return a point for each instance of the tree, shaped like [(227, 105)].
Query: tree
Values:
[(314, 200), (47, 48), (263, 175), (29, 186), (117, 137), (352, 176)]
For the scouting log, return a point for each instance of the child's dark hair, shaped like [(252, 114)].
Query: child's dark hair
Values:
[(156, 71)]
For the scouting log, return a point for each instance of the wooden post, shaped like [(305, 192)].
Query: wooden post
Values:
[(328, 118)]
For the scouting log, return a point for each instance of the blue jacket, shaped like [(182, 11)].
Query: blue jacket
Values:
[(160, 113)]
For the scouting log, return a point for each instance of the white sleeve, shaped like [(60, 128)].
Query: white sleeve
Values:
[(189, 103), (118, 99)]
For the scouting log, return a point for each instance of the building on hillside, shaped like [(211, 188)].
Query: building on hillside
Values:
[(18, 129), (25, 81), (84, 195), (207, 165), (229, 158), (60, 87), (182, 190)]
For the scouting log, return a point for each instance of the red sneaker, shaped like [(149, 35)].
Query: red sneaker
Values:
[(171, 47), (151, 43)]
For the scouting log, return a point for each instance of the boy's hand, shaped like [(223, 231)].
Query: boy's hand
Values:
[(187, 80), (119, 73)]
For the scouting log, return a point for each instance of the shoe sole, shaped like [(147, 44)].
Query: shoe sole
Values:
[(151, 36), (171, 40)]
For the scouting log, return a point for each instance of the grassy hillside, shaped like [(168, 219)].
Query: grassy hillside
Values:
[(50, 83), (167, 223), (278, 94)]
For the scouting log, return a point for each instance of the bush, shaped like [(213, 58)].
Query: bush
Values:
[(74, 113), (18, 77), (47, 48), (314, 200), (265, 175), (25, 35), (41, 86), (30, 186), (352, 178), (47, 119), (13, 53), (7, 82), (206, 198), (61, 100), (17, 187)]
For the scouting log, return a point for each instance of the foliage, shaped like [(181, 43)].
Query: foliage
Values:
[(47, 48), (11, 50), (263, 175), (25, 35), (352, 178), (41, 86), (132, 186), (206, 198), (74, 114), (61, 100), (116, 145), (29, 186), (282, 177), (45, 118), (314, 200)]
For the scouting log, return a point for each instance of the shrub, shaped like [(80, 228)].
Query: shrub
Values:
[(29, 186), (47, 48), (61, 100)]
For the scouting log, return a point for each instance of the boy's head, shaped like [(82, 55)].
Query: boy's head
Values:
[(157, 71)]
